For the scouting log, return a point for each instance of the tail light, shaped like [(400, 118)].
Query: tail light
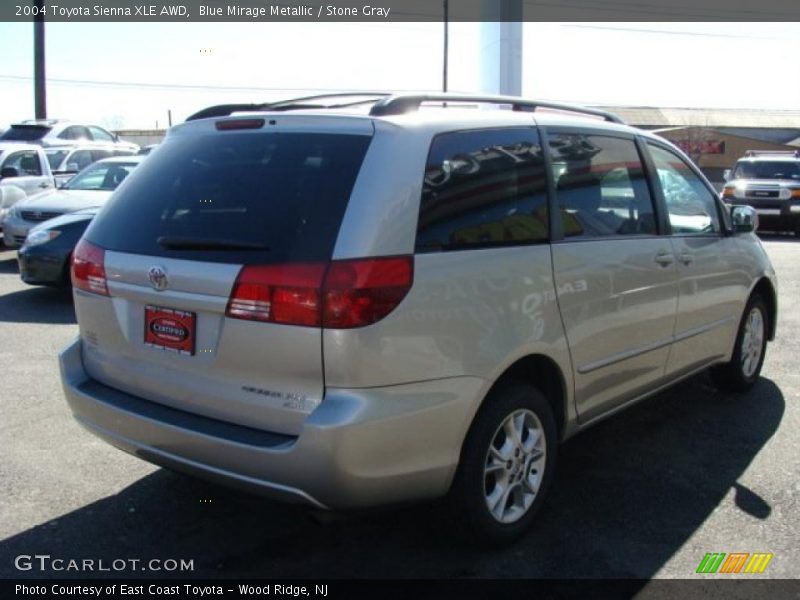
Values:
[(340, 295), (88, 271), (287, 294), (360, 292)]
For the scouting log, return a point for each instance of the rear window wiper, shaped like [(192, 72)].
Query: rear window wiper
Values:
[(198, 243)]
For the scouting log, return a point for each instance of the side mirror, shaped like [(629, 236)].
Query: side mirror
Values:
[(9, 172), (72, 168), (744, 218), (726, 174)]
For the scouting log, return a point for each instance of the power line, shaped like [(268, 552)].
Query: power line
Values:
[(674, 32), (180, 86)]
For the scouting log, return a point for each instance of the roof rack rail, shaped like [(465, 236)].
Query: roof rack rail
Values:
[(386, 104), (753, 153), (224, 110), (403, 103), (367, 98)]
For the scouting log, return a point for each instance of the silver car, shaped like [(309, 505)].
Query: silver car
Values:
[(66, 161), (89, 188), (57, 132), (349, 307)]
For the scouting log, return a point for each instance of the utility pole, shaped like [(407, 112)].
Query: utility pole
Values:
[(501, 47), (446, 32), (39, 84)]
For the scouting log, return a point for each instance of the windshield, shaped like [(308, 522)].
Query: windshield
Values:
[(25, 133), (767, 169), (100, 176), (55, 157)]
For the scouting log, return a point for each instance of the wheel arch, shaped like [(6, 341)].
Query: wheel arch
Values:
[(543, 373), (766, 290)]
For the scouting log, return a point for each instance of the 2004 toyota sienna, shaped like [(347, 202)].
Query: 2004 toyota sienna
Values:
[(363, 299)]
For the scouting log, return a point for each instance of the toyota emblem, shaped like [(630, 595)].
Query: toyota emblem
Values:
[(158, 278)]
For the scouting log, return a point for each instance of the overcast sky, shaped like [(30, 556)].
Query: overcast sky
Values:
[(129, 75)]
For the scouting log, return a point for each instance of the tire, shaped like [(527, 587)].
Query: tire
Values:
[(484, 475), (744, 368)]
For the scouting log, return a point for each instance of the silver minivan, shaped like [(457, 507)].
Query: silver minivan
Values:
[(355, 301)]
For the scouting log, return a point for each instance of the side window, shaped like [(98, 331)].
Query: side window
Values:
[(26, 163), (600, 186), (691, 207), (100, 154), (101, 135), (75, 132), (79, 160), (482, 189)]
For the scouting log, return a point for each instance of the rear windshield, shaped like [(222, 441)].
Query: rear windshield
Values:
[(763, 169), (25, 133), (281, 195)]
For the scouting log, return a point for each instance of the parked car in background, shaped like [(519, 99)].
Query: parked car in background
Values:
[(89, 188), (24, 171), (66, 161), (769, 181), (54, 132), (349, 308), (144, 150), (44, 257)]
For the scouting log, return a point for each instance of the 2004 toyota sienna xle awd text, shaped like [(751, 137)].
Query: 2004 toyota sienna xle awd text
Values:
[(349, 301)]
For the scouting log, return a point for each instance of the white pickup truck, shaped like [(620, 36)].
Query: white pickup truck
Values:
[(24, 171)]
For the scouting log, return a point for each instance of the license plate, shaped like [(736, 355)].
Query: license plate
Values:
[(169, 329)]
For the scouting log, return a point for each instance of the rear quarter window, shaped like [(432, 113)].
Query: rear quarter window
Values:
[(283, 193), (483, 188)]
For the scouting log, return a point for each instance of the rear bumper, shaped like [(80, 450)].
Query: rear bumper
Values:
[(359, 448)]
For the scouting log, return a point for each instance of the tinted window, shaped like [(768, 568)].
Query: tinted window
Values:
[(600, 186), (79, 160), (101, 135), (102, 176), (26, 163), (75, 132), (283, 194), (101, 154), (483, 188), (691, 207), (25, 133), (767, 169), (55, 157)]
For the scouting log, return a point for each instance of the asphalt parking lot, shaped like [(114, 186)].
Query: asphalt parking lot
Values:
[(644, 494)]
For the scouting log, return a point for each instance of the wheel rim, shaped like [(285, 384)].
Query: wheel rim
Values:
[(514, 466), (752, 342)]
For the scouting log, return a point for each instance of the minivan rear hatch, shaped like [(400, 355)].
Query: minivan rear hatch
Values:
[(219, 205)]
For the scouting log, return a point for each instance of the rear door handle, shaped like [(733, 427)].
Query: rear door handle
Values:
[(664, 259), (686, 258), (44, 185)]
